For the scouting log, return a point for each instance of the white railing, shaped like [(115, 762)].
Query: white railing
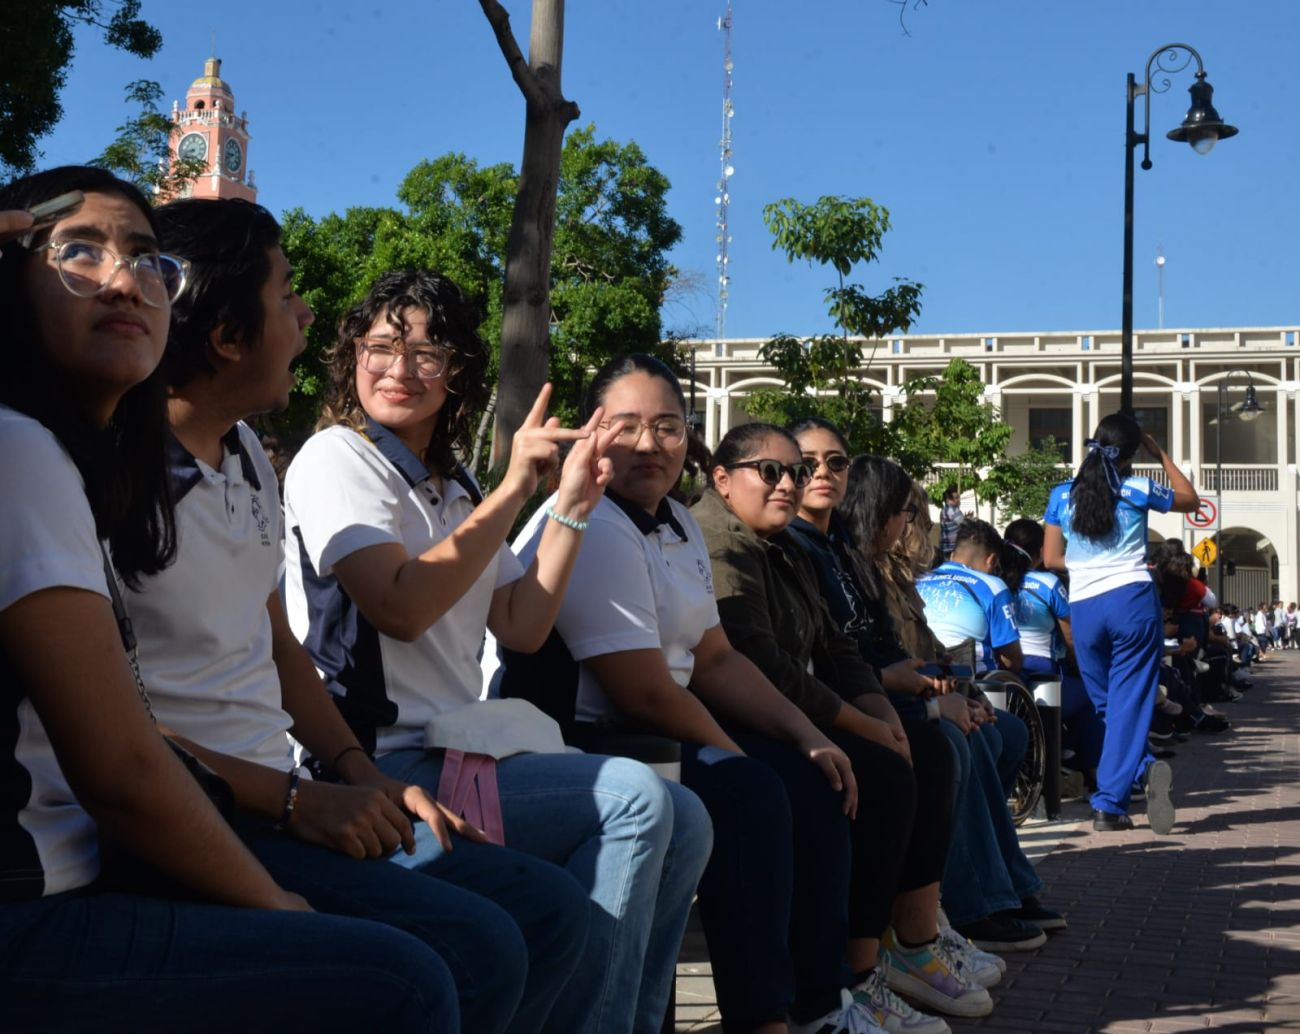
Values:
[(1240, 477)]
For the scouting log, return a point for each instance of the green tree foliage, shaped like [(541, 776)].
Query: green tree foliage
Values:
[(820, 372), (140, 152), (609, 266), (36, 48), (1020, 484)]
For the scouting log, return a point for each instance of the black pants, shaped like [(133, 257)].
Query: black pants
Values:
[(900, 838)]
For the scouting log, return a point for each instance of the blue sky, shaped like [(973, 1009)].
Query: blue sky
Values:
[(994, 134)]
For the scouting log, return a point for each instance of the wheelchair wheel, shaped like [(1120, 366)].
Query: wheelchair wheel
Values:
[(1033, 770)]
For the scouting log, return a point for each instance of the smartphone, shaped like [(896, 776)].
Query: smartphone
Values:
[(945, 671), (47, 213)]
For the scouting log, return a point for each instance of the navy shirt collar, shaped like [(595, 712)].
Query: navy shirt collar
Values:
[(395, 451), (646, 522), (184, 468)]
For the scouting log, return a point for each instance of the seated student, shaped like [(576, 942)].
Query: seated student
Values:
[(771, 608), (989, 886), (395, 571), (225, 671), (653, 657), (1042, 609), (1096, 530), (82, 436), (853, 595)]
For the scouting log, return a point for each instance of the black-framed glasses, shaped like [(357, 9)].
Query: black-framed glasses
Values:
[(668, 431), (909, 512), (427, 361), (87, 267), (770, 472), (836, 463)]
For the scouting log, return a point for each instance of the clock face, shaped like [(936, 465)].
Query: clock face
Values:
[(193, 145), (234, 156)]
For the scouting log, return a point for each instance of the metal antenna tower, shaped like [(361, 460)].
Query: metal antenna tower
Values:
[(723, 198)]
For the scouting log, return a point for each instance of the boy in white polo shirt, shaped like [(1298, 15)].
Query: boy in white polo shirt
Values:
[(225, 672)]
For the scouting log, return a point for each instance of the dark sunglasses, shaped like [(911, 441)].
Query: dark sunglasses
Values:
[(837, 463), (770, 471)]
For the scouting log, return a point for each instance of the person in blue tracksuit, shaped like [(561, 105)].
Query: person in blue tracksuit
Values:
[(1096, 529)]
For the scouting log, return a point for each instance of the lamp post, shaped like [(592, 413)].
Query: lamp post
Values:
[(1201, 128), (1250, 409)]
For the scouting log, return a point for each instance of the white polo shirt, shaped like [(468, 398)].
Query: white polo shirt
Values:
[(48, 843), (641, 581), (202, 625), (345, 491)]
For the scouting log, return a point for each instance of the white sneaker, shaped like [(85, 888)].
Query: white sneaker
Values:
[(983, 967), (889, 1011), (849, 1018)]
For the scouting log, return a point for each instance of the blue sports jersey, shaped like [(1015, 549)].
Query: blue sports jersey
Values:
[(1099, 565), (1040, 603), (961, 603)]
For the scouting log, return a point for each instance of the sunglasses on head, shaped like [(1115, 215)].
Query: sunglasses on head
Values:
[(770, 471)]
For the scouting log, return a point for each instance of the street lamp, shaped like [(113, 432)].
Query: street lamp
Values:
[(1248, 411), (1202, 128)]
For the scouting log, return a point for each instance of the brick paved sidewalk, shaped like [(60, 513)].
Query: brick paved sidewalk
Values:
[(1198, 929)]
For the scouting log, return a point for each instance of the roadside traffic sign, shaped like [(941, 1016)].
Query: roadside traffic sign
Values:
[(1205, 517), (1206, 552)]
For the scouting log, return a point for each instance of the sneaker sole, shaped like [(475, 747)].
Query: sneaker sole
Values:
[(1001, 946), (1160, 808), (919, 991)]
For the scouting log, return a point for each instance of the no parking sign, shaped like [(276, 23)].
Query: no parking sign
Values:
[(1205, 517)]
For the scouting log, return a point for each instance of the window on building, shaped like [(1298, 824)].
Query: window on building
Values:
[(1155, 422), (198, 105), (1056, 423)]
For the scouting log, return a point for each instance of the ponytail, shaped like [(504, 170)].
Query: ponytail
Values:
[(1096, 488)]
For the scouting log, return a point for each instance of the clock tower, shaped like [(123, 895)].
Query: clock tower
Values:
[(208, 131)]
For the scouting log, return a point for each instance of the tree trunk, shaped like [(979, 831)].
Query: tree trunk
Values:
[(526, 303)]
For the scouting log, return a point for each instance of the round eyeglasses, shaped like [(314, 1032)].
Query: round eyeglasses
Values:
[(377, 355), (771, 471), (87, 267), (836, 463), (669, 431)]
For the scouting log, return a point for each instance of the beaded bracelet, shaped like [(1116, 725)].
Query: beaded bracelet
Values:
[(290, 802), (568, 522)]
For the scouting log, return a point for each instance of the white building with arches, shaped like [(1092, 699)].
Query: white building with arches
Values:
[(1062, 383)]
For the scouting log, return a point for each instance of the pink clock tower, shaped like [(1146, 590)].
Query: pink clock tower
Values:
[(208, 130)]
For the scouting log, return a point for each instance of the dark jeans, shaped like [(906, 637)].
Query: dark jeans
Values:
[(510, 927), (110, 962), (774, 896)]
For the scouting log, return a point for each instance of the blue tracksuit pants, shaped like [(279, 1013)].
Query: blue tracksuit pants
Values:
[(1118, 640)]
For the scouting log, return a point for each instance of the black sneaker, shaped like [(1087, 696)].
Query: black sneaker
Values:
[(999, 932), (1212, 723), (1109, 822), (1033, 911)]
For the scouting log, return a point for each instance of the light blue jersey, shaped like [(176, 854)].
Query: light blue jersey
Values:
[(1040, 603), (1099, 565), (961, 603)]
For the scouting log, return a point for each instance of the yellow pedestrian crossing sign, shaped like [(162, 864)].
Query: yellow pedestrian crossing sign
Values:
[(1206, 552)]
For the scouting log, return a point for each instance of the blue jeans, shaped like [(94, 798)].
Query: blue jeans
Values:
[(1118, 640), (86, 961), (987, 871), (510, 927), (635, 844)]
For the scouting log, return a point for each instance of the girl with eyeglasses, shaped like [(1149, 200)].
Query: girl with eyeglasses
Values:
[(397, 568), (1096, 529), (82, 421), (638, 650), (769, 599)]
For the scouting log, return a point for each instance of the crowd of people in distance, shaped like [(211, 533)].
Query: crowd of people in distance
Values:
[(304, 739)]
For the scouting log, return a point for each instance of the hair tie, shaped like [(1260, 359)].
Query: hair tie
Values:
[(1022, 552), (1108, 454)]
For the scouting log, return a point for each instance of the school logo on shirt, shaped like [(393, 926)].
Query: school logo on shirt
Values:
[(261, 520), (706, 574)]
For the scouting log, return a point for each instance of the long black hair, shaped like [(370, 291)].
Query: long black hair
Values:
[(817, 423), (877, 489), (1092, 495), (1021, 542), (624, 365), (123, 464)]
